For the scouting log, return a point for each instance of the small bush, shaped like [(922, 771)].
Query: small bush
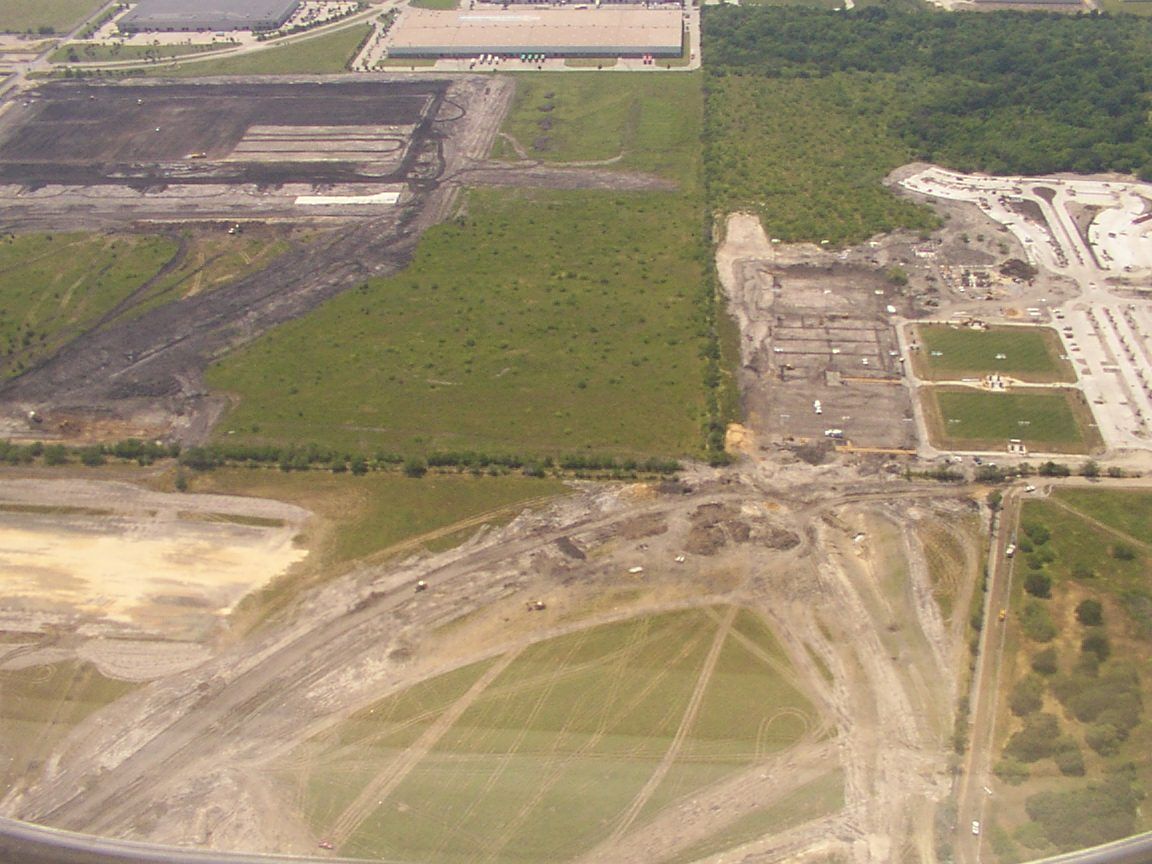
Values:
[(1103, 738), (1070, 762), (1090, 613), (1011, 771), (1098, 644), (1046, 662), (93, 457), (1037, 533), (1038, 583), (55, 454), (1027, 696), (1037, 740), (1123, 553), (1036, 622)]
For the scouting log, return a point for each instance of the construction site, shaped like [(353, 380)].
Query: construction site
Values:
[(820, 359), (791, 655)]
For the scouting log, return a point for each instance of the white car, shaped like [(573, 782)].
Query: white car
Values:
[(975, 826)]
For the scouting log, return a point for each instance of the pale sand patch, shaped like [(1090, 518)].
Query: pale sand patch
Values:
[(118, 572), (109, 559), (142, 660)]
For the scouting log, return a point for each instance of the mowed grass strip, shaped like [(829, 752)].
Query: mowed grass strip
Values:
[(21, 16), (539, 323), (328, 54), (55, 286), (1031, 354), (1050, 420), (540, 765), (88, 52)]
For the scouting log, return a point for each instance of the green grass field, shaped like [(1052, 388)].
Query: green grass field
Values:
[(537, 756), (21, 16), (538, 324), (641, 122), (1126, 7), (1031, 354), (963, 418), (54, 286), (320, 55), (40, 705), (375, 512), (1083, 547), (1073, 538)]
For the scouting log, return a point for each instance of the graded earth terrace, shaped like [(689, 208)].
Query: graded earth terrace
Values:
[(139, 135)]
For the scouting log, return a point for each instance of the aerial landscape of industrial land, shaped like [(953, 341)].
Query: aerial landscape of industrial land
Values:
[(638, 433)]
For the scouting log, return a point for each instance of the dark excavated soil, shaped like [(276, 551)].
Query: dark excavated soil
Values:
[(84, 134), (132, 368)]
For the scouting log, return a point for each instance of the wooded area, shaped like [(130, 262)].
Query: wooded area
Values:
[(1001, 92)]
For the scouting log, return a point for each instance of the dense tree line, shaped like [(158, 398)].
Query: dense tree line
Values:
[(1002, 92), (314, 456)]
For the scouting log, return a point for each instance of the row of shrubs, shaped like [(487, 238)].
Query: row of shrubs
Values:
[(998, 474), (313, 456)]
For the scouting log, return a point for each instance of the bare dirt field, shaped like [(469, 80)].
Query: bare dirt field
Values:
[(143, 135), (113, 561), (831, 572), (818, 347)]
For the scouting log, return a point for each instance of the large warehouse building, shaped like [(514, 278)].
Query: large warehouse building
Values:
[(597, 32), (204, 15)]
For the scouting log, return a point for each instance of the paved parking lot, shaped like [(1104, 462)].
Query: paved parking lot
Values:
[(1053, 218)]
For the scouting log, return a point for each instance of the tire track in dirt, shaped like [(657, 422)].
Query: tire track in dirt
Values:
[(386, 782), (760, 786), (501, 841), (686, 723), (595, 738), (463, 525), (495, 775)]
